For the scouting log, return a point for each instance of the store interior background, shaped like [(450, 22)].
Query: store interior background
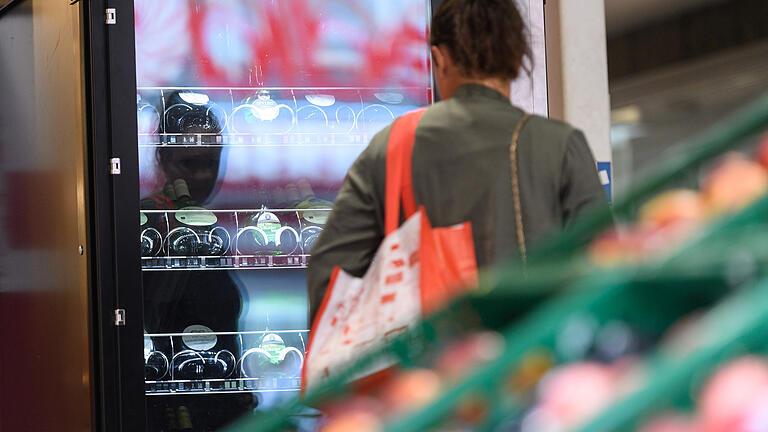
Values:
[(677, 68)]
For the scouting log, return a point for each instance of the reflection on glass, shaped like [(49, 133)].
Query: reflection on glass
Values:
[(241, 106)]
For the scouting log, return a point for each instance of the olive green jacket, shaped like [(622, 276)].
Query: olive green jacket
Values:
[(461, 172)]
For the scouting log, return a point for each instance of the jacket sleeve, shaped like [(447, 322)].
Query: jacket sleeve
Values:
[(580, 186), (354, 229)]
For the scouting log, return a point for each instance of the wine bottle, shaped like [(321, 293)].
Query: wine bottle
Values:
[(198, 365), (269, 232), (274, 237), (185, 419), (262, 114), (200, 358), (314, 217), (190, 113), (155, 362), (196, 232), (170, 420), (151, 240), (271, 358)]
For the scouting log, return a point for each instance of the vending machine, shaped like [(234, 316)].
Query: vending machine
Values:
[(235, 124), (203, 142)]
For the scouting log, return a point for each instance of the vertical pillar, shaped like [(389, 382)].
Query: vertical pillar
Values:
[(577, 69)]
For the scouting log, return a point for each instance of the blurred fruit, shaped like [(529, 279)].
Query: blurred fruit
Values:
[(353, 421), (462, 356), (761, 154), (411, 390), (355, 414), (637, 244), (575, 393), (670, 423), (756, 419), (354, 403), (727, 398), (472, 410), (616, 247), (685, 335), (680, 205), (735, 183), (533, 366)]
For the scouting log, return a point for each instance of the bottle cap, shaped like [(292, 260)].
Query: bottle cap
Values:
[(181, 188), (305, 189)]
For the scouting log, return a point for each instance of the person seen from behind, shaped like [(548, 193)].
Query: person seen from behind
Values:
[(463, 166)]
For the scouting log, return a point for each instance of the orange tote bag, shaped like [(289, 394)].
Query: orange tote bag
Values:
[(416, 270)]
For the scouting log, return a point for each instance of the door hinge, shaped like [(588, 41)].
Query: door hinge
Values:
[(119, 317), (114, 166), (111, 16)]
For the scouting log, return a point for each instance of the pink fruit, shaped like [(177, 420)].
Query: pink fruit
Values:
[(353, 421), (756, 419), (673, 206), (636, 244), (355, 403), (411, 390), (462, 356), (731, 392), (616, 247), (577, 392), (670, 423), (735, 183)]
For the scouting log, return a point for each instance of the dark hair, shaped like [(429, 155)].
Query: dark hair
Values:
[(485, 38)]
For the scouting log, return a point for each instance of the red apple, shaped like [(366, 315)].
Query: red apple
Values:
[(735, 183)]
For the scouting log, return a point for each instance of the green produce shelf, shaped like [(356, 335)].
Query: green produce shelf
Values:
[(722, 269)]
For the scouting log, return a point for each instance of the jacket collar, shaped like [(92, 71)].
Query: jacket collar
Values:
[(468, 91)]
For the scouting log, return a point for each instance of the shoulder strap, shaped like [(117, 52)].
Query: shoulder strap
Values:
[(516, 187), (399, 182)]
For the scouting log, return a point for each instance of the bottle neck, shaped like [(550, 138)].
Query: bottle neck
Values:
[(183, 197)]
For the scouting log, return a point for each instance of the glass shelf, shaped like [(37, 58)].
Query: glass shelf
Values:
[(237, 385), (254, 116), (235, 262), (289, 89), (201, 239), (207, 362), (254, 140)]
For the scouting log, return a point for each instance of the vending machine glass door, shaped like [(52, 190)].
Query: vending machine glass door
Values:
[(249, 114)]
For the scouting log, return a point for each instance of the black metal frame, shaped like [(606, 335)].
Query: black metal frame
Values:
[(116, 270), (116, 273)]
